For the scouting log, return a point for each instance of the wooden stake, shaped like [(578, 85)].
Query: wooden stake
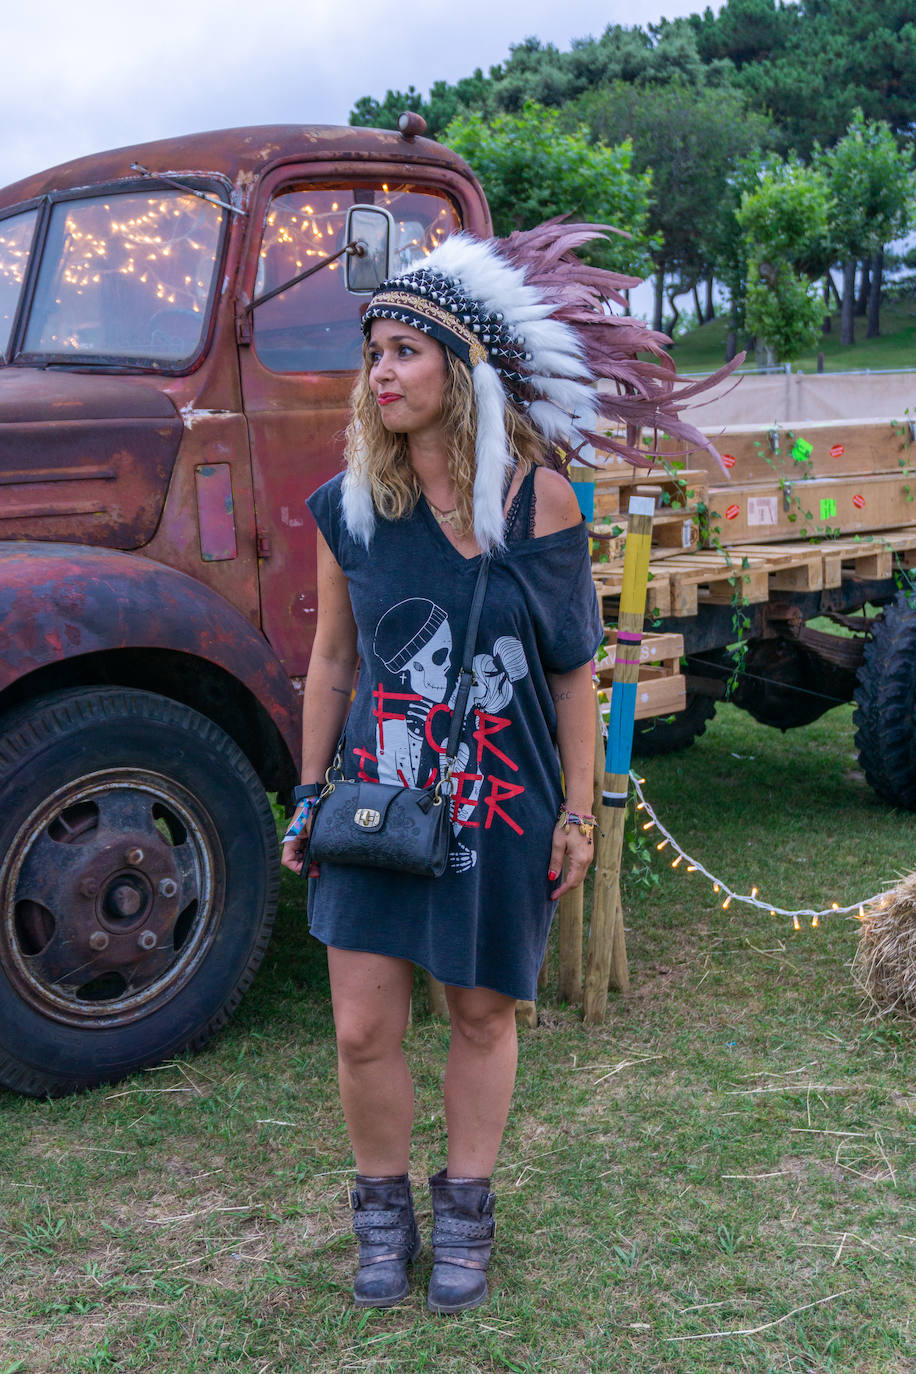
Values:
[(606, 945), (436, 994), (569, 930)]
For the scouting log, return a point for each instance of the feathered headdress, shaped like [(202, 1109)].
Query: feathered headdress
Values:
[(531, 320)]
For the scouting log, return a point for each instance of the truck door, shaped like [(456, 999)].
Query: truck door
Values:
[(299, 351)]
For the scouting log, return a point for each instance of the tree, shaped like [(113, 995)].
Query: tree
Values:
[(785, 225), (532, 170), (871, 182), (692, 140)]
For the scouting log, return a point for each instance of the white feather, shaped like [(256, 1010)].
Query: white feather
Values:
[(493, 463), (356, 501), (571, 396), (549, 419)]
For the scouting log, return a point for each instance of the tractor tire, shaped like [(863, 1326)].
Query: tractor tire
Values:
[(138, 880), (668, 734), (885, 713)]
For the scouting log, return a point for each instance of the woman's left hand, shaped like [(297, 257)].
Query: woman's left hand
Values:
[(574, 852)]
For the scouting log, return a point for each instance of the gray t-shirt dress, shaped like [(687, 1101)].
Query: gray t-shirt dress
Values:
[(485, 922)]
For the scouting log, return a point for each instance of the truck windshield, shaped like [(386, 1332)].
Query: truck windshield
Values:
[(125, 276), (16, 234)]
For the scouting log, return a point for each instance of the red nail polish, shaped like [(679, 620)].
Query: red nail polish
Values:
[(553, 876)]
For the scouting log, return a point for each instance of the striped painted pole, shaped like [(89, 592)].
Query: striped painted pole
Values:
[(626, 663), (606, 960)]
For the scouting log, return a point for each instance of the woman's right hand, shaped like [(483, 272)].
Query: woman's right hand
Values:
[(292, 854)]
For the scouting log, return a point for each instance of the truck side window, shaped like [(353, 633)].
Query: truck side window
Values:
[(314, 326), (15, 246)]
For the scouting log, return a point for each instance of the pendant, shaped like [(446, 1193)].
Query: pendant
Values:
[(443, 517)]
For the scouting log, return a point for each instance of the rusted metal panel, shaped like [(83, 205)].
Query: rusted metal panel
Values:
[(215, 512), (244, 155), (211, 438), (58, 601), (88, 455)]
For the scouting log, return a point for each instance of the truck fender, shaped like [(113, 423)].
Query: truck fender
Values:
[(62, 601)]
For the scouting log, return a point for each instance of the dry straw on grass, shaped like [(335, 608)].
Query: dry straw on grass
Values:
[(884, 966)]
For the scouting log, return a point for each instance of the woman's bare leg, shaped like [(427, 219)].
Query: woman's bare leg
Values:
[(371, 999), (479, 1078)]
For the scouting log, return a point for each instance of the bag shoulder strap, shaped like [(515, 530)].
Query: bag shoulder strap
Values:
[(466, 677)]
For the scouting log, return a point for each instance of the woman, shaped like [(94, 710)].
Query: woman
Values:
[(470, 372)]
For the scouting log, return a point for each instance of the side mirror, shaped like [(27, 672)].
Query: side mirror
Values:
[(371, 228)]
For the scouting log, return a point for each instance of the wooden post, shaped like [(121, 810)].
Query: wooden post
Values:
[(569, 934), (436, 994), (526, 1014), (570, 912), (606, 958)]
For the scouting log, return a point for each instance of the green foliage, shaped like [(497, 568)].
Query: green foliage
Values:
[(871, 182), (693, 142), (532, 170), (784, 222)]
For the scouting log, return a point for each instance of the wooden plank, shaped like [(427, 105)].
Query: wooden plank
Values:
[(654, 648), (807, 575), (867, 448), (765, 512)]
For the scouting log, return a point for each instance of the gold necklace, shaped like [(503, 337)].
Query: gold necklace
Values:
[(443, 517)]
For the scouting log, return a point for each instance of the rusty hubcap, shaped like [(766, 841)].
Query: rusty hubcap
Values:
[(112, 897)]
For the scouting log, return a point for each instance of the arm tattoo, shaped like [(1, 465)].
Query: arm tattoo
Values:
[(344, 691), (562, 696)]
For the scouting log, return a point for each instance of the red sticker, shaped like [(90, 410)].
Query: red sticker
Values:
[(733, 512), (858, 501), (837, 451), (729, 460)]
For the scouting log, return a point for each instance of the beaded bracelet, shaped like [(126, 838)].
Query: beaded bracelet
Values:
[(300, 816), (585, 824)]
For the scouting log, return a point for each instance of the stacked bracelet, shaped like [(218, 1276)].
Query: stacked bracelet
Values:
[(584, 824), (300, 816)]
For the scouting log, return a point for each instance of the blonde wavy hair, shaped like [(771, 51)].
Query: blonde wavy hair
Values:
[(395, 489)]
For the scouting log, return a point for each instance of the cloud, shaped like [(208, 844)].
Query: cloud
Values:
[(81, 79)]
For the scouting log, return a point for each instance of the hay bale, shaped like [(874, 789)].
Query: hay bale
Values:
[(884, 966)]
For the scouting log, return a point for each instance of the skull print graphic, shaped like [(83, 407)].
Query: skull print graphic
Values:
[(413, 640)]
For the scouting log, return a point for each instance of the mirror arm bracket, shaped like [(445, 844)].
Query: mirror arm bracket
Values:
[(355, 249)]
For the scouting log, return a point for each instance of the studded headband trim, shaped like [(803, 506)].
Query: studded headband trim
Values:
[(430, 319)]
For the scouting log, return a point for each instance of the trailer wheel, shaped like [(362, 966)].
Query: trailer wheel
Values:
[(885, 714), (138, 879), (667, 734)]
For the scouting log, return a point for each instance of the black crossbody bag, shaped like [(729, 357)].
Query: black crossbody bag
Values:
[(381, 825)]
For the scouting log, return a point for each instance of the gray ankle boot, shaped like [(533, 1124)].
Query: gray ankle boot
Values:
[(463, 1227), (386, 1229)]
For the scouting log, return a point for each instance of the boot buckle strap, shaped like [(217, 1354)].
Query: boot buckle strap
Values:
[(380, 1259), (451, 1230), (462, 1263)]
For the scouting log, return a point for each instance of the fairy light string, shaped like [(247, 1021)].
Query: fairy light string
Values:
[(720, 887)]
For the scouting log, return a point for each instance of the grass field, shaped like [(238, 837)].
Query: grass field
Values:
[(703, 349), (720, 1178)]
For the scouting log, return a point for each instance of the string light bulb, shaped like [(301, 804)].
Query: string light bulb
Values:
[(692, 865)]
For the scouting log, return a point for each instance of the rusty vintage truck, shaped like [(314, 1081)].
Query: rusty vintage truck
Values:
[(179, 324)]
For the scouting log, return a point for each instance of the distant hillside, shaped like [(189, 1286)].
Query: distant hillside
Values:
[(703, 349)]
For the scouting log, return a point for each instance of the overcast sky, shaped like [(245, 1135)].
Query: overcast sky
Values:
[(81, 78)]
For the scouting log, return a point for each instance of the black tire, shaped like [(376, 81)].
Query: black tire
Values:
[(138, 881), (885, 699), (667, 734)]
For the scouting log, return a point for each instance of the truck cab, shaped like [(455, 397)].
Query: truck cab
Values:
[(179, 330)]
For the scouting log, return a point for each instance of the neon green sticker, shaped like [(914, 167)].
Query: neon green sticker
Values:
[(802, 450), (828, 508)]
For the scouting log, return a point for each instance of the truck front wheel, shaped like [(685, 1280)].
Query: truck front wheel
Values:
[(138, 879), (885, 714)]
